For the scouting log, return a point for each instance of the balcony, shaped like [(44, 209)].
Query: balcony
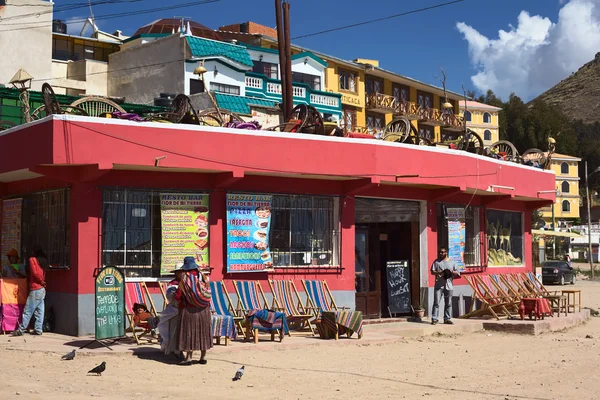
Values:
[(381, 103), (260, 86)]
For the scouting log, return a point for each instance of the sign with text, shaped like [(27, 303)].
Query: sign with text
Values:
[(456, 236), (185, 229), (398, 287), (11, 227), (248, 223), (110, 303)]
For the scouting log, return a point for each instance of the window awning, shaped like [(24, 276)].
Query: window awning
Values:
[(555, 233)]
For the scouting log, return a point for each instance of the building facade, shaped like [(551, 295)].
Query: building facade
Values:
[(336, 209), (566, 209), (482, 119)]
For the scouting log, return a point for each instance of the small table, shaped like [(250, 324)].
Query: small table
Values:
[(576, 299), (537, 307), (558, 303)]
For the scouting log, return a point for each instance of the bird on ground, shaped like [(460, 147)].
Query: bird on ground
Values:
[(239, 374), (68, 356), (99, 369)]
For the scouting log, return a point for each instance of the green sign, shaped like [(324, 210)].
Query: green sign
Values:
[(110, 303)]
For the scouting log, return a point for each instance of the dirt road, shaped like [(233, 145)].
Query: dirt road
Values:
[(561, 365)]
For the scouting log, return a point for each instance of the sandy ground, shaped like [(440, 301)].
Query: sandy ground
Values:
[(560, 365)]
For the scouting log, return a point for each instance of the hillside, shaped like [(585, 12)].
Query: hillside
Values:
[(579, 94)]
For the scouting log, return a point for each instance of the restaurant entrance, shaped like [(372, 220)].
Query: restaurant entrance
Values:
[(386, 231)]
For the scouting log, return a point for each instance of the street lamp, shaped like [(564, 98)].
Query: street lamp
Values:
[(22, 82), (589, 215)]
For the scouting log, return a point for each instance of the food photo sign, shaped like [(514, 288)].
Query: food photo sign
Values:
[(185, 229), (248, 223)]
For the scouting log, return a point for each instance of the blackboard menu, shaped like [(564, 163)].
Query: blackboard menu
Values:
[(110, 303), (398, 285)]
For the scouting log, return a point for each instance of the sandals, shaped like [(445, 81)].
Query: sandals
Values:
[(203, 362)]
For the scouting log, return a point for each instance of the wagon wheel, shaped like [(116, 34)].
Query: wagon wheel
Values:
[(397, 130), (312, 122), (222, 116), (182, 111), (418, 140), (40, 112), (506, 147), (51, 104), (533, 156), (4, 125), (97, 106), (209, 120), (471, 142)]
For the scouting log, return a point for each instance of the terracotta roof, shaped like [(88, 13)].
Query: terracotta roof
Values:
[(477, 105), (563, 156)]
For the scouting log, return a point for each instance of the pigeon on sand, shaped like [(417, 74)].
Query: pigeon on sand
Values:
[(239, 374), (68, 356), (99, 369)]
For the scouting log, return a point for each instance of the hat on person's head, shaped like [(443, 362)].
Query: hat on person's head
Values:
[(178, 267), (189, 264), (12, 253), (140, 305)]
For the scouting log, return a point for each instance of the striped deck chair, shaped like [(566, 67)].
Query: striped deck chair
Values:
[(512, 293), (163, 291), (137, 292), (498, 291), (539, 286), (319, 297), (287, 299), (251, 297), (523, 287), (490, 303), (220, 304)]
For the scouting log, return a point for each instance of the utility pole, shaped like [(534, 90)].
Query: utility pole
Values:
[(289, 95), (589, 215), (282, 61)]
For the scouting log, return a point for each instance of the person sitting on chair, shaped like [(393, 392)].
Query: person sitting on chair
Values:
[(143, 318)]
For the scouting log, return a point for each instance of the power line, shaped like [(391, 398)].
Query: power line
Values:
[(378, 19), (116, 15), (58, 9)]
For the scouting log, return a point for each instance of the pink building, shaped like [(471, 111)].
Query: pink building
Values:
[(340, 209)]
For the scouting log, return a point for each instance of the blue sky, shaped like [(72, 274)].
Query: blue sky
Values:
[(416, 45)]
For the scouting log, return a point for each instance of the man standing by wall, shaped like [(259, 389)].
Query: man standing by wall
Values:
[(444, 271)]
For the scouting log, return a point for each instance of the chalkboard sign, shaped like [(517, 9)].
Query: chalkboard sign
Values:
[(110, 303), (398, 285)]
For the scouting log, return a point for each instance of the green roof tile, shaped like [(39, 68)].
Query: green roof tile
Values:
[(241, 104), (201, 47)]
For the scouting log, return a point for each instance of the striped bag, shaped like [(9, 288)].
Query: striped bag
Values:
[(196, 292)]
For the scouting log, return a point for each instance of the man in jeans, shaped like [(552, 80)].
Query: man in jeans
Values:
[(37, 293), (443, 285)]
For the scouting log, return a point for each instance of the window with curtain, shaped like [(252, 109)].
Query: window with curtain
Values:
[(304, 231), (314, 81), (487, 118), (348, 81), (266, 68)]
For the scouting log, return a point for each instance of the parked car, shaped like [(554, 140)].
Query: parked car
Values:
[(557, 272)]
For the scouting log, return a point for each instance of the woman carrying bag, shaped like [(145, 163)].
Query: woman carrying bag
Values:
[(193, 296)]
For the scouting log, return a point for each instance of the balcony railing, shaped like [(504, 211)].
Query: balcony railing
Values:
[(274, 88), (324, 100), (381, 103), (253, 82), (298, 91)]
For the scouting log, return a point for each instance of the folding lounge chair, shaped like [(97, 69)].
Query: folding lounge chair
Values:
[(163, 291), (512, 303), (556, 299), (220, 304), (319, 297), (490, 304), (523, 287), (137, 292), (251, 298), (287, 299)]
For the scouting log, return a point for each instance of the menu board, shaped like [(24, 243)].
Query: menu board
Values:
[(398, 280), (110, 303), (11, 227), (456, 236), (185, 229), (248, 223)]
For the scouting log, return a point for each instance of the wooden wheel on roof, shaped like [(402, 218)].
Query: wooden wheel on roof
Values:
[(51, 104), (4, 125), (40, 112), (221, 116), (398, 130), (471, 142), (312, 121), (505, 150), (535, 157), (181, 111), (95, 106)]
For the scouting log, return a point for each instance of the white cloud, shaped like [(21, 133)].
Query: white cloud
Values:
[(536, 54)]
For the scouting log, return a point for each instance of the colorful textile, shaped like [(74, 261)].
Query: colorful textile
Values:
[(248, 294), (133, 295), (316, 292), (537, 307), (13, 291), (196, 292), (267, 320), (223, 325), (340, 321), (218, 303), (283, 292), (11, 315)]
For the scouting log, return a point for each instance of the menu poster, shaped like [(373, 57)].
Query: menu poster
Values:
[(456, 236), (185, 229), (248, 223), (11, 227)]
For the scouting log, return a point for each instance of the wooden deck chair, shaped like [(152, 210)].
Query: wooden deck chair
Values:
[(319, 297), (251, 297), (287, 299), (523, 287), (512, 303), (490, 304), (163, 291), (220, 304), (514, 286), (137, 292), (538, 286), (513, 294)]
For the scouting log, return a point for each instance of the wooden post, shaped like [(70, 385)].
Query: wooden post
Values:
[(288, 92), (282, 63)]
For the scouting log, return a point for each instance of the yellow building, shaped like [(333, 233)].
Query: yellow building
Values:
[(566, 208), (482, 119)]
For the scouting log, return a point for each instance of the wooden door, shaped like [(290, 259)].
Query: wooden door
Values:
[(367, 276)]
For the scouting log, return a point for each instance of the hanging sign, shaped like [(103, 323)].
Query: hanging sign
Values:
[(456, 236), (110, 303), (248, 223), (185, 229)]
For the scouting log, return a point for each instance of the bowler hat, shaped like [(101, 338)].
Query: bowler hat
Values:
[(189, 264)]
